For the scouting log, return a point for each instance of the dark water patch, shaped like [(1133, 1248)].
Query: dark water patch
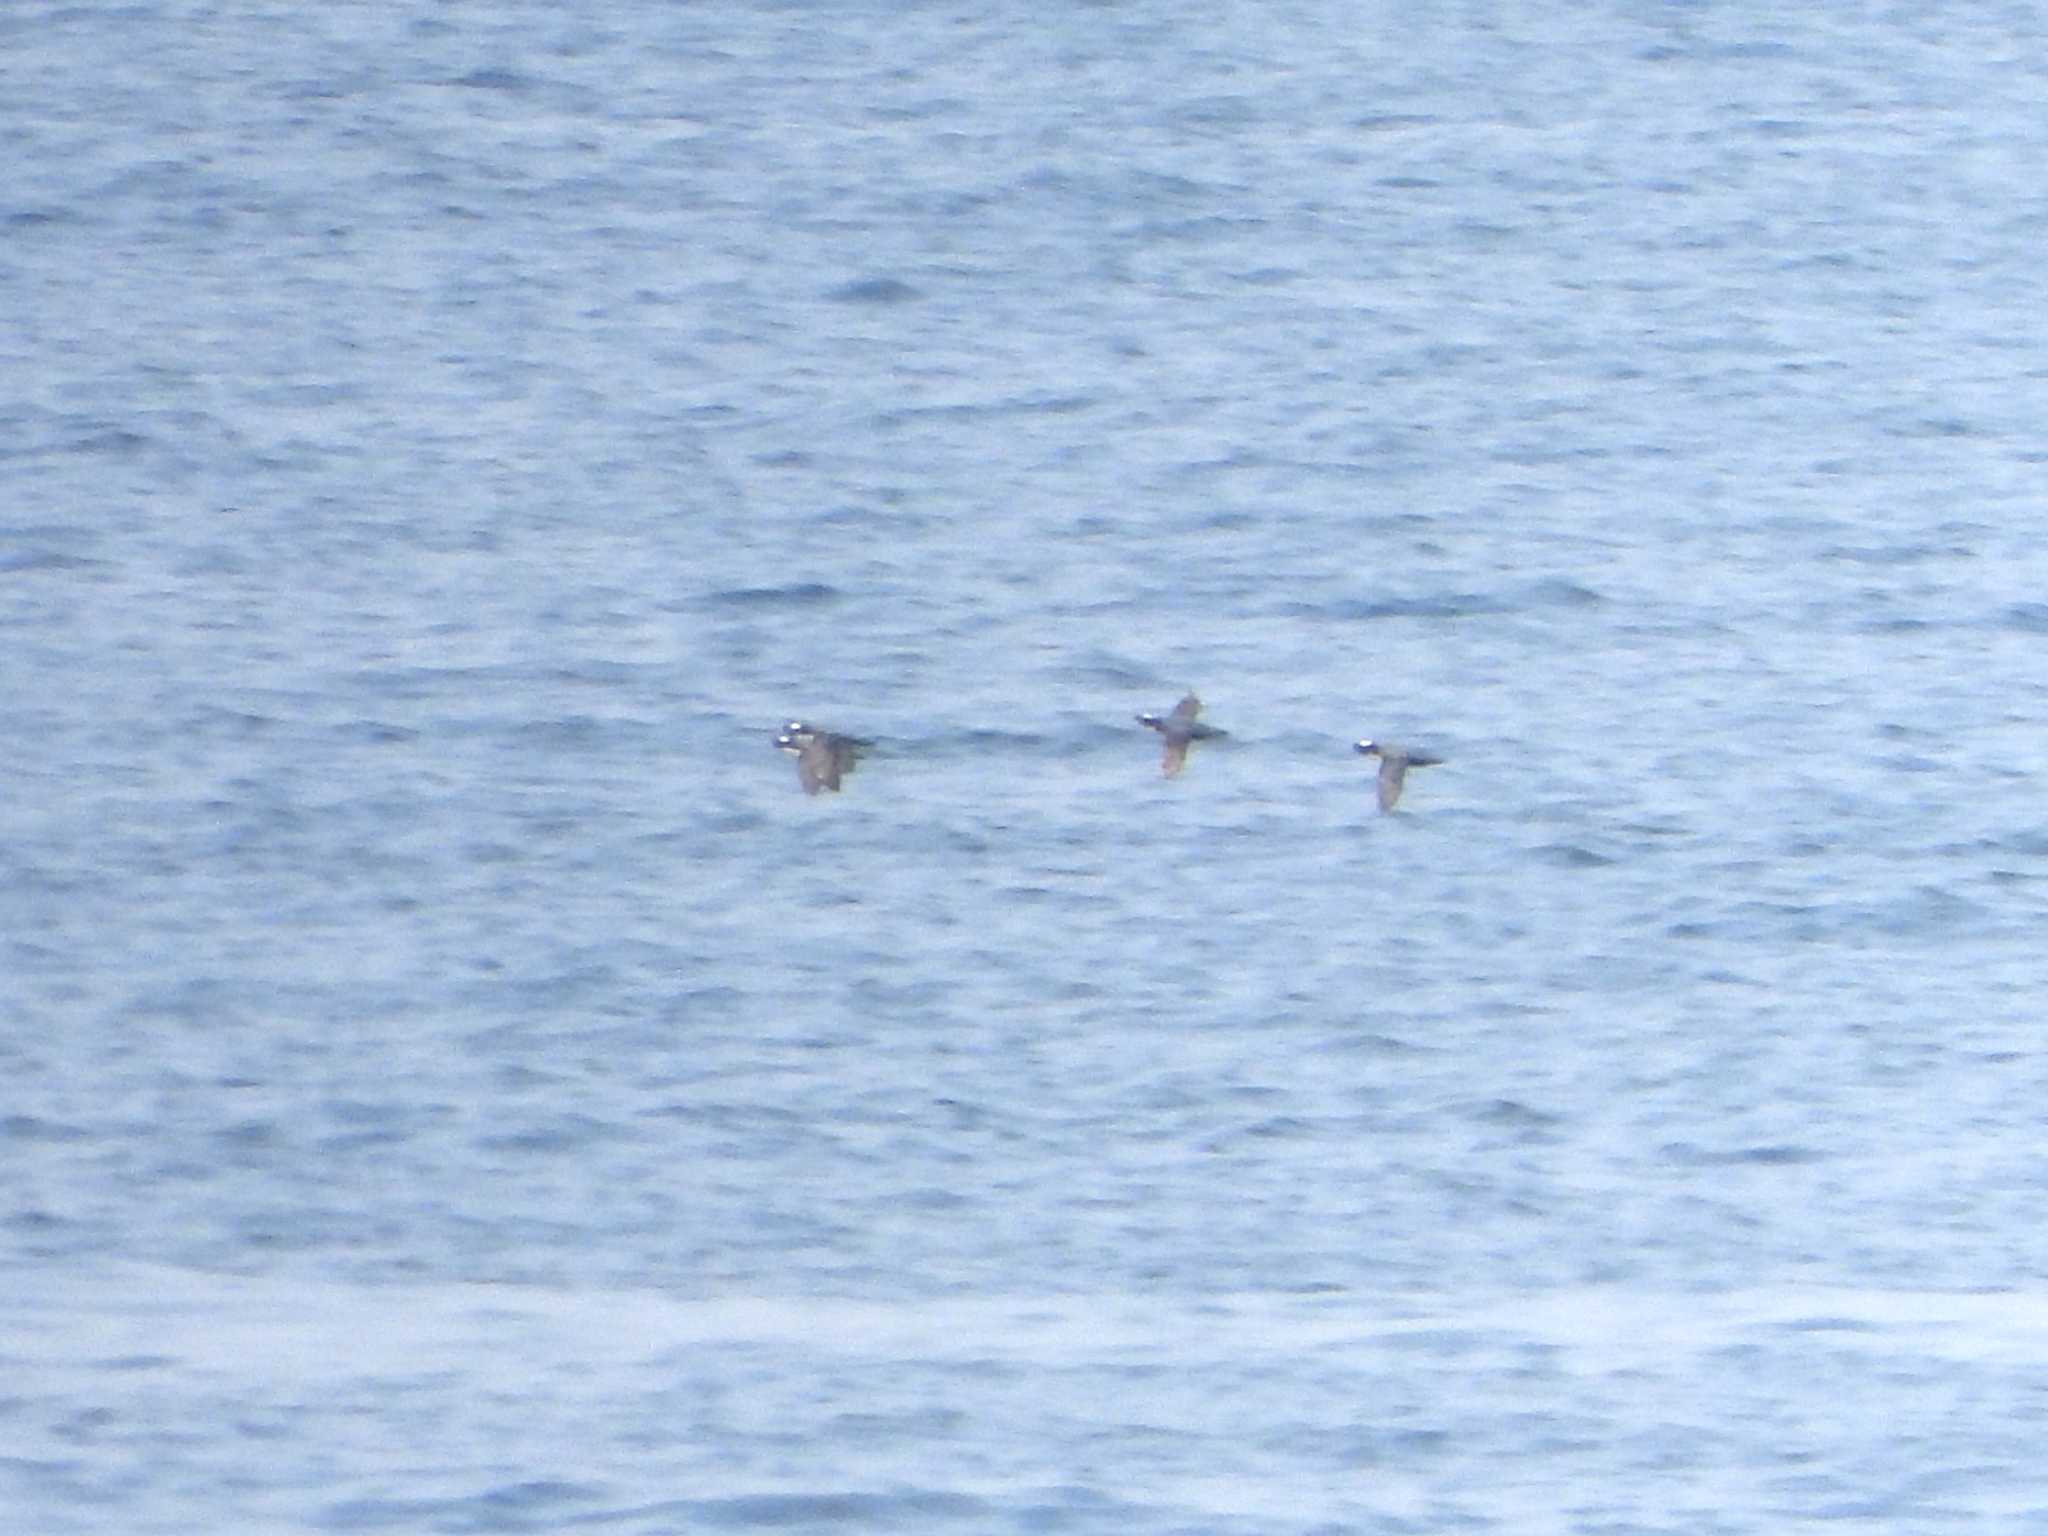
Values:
[(873, 519), (2033, 843), (1375, 1043), (771, 1121), (887, 996), (34, 1128), (711, 1002), (1202, 229), (24, 561), (1393, 122), (977, 410), (1572, 856), (1686, 1154), (1230, 111), (110, 442), (517, 1507), (576, 732), (1514, 1115), (1930, 427), (1654, 828), (1890, 554), (1444, 605), (1454, 605), (1111, 671), (205, 1002), (568, 1133), (234, 723), (363, 1114), (1926, 911), (1229, 519), (1274, 1128), (874, 290), (248, 1136), (2028, 618), (802, 594), (917, 111), (1828, 1324), (373, 733), (1763, 921), (494, 79), (28, 220), (35, 1222), (909, 1509), (1555, 592)]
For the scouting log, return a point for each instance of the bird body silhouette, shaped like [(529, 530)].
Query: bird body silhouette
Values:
[(1394, 765), (822, 757), (1180, 728)]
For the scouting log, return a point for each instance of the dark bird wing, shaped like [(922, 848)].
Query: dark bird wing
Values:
[(816, 767), (1185, 711), (1393, 774), (1175, 757)]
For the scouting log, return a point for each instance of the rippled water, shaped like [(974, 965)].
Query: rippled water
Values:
[(458, 1082)]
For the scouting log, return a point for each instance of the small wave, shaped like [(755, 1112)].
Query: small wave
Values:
[(1009, 405), (31, 1128), (44, 560), (874, 290), (1775, 1155), (495, 80), (35, 218), (112, 440), (1549, 593), (867, 1511), (802, 594), (1572, 856), (1393, 122), (566, 1134), (1447, 605), (373, 732), (1889, 554), (1827, 1323), (506, 1508), (1514, 1113)]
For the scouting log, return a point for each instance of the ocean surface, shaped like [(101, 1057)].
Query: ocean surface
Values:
[(455, 1081)]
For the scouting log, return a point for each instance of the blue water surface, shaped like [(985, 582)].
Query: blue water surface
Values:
[(458, 1082)]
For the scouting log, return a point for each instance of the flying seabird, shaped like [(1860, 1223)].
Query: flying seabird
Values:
[(1394, 765), (822, 757), (1179, 729)]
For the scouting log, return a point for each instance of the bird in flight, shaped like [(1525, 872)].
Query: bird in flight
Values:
[(822, 757), (1180, 729), (1394, 765)]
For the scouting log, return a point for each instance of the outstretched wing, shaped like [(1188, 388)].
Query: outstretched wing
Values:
[(1393, 773), (818, 767), (1175, 757)]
